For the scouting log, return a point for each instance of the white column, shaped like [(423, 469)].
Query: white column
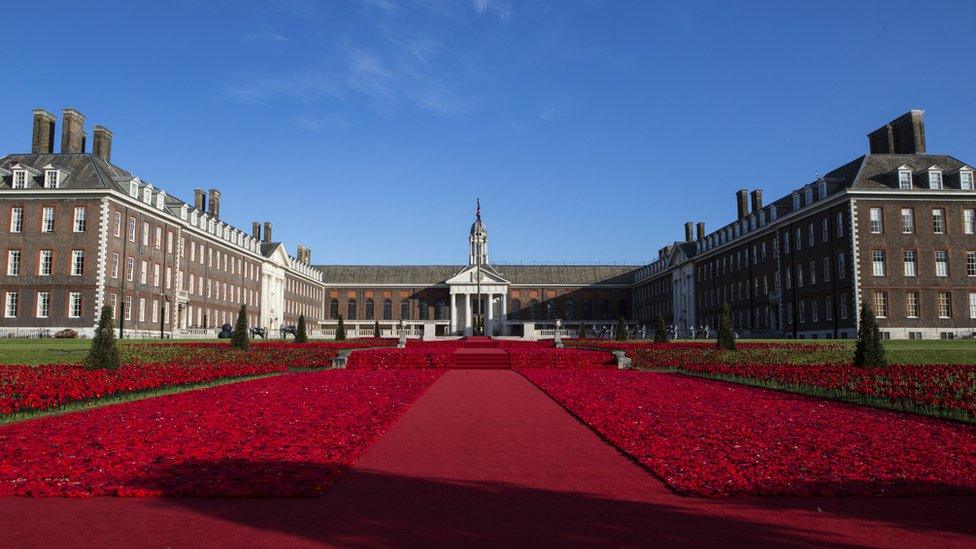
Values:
[(454, 313), (504, 318), (467, 314), (489, 323)]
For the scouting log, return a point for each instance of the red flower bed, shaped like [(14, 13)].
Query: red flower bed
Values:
[(713, 438), (286, 436), (561, 358), (295, 355), (647, 354), (440, 354)]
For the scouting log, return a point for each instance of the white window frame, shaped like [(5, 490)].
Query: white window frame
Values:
[(45, 262), (943, 301), (935, 180), (52, 179), (907, 223), (878, 262), (905, 176), (966, 180), (77, 262), (941, 263), (876, 225), (43, 307), (17, 219), (74, 305), (11, 305), (47, 219), (938, 221), (969, 221), (14, 258), (910, 263), (80, 222)]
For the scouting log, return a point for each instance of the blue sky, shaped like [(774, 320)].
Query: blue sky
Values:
[(591, 130)]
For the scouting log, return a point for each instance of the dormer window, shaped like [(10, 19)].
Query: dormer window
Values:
[(134, 188), (160, 200), (904, 178), (184, 209), (808, 196), (796, 201), (772, 214), (52, 179), (966, 180), (822, 189), (935, 178), (20, 179), (193, 216), (147, 195)]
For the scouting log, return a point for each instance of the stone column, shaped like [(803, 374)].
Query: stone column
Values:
[(454, 312), (467, 314), (504, 317), (489, 322)]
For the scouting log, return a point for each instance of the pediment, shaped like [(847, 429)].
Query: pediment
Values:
[(469, 275)]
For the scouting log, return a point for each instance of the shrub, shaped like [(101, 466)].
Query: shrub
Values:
[(660, 331), (340, 330), (582, 331), (301, 335), (239, 337), (621, 334), (104, 352), (376, 328), (869, 350), (726, 340)]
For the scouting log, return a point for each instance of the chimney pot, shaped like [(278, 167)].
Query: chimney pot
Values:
[(267, 231), (214, 203), (756, 201), (256, 230), (42, 138), (689, 231), (72, 131), (102, 143), (701, 230), (742, 202), (200, 200)]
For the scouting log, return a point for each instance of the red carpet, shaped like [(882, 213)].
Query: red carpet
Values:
[(486, 459), (480, 353)]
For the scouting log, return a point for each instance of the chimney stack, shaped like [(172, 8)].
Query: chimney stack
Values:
[(72, 131), (42, 139), (214, 203), (689, 231), (742, 202), (302, 254), (903, 135), (256, 230), (756, 201), (102, 143), (267, 231), (199, 200), (701, 231)]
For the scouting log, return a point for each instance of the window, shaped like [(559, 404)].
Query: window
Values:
[(404, 309), (799, 276), (938, 221), (351, 309), (127, 305), (156, 274), (826, 269), (79, 220), (907, 221), (841, 271), (569, 308), (74, 305), (77, 262), (129, 268), (45, 262), (142, 309), (877, 222), (843, 306), (813, 310), (911, 304), (440, 310), (47, 220), (423, 310), (334, 309), (825, 230), (20, 179), (145, 233), (387, 309), (117, 224), (799, 239), (802, 316), (587, 309), (13, 262), (970, 263), (550, 310), (789, 279), (159, 238), (16, 219), (796, 201), (813, 273), (369, 309), (132, 229), (935, 179), (941, 263), (972, 304), (828, 308), (840, 224), (881, 304), (945, 305), (911, 263), (904, 179), (516, 309), (43, 304), (144, 272), (786, 243), (878, 262), (969, 221), (10, 311), (966, 180)]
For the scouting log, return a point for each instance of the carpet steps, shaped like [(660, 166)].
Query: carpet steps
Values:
[(480, 353)]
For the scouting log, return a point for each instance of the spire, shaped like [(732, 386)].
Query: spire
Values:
[(477, 211)]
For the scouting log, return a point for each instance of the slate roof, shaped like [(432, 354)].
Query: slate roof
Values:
[(415, 275)]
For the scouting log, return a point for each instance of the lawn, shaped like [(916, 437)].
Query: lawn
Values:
[(54, 351)]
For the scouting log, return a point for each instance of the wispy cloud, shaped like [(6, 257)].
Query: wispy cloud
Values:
[(268, 37), (497, 8), (319, 124), (302, 9)]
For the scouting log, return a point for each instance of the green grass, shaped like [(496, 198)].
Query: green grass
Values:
[(52, 351), (899, 351)]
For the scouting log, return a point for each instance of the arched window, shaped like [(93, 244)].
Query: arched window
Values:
[(569, 309), (405, 309), (387, 309), (604, 309), (533, 309), (516, 309), (587, 309), (351, 310), (550, 309), (439, 310), (622, 308), (334, 309), (369, 309), (422, 307)]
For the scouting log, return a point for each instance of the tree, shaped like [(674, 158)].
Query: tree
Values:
[(869, 350), (239, 337), (301, 335), (582, 331), (376, 328), (104, 352), (660, 330), (621, 334), (340, 330), (726, 340)]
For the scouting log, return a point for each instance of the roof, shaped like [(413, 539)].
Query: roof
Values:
[(410, 275)]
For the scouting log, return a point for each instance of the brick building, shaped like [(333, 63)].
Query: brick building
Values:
[(894, 228)]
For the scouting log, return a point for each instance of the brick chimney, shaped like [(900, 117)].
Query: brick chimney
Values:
[(42, 139), (756, 201), (903, 135), (742, 202), (689, 231), (701, 231), (267, 231), (200, 200), (256, 230), (102, 143), (214, 205), (72, 131)]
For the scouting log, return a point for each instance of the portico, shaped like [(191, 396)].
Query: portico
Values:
[(465, 306)]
